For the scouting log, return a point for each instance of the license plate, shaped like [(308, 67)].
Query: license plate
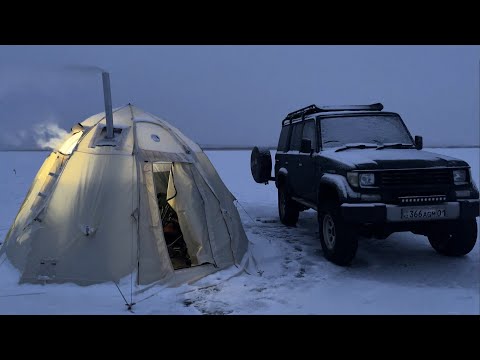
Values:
[(423, 213)]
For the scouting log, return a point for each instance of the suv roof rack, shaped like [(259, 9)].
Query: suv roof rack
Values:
[(312, 109)]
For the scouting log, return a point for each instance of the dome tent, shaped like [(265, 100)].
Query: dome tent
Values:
[(97, 208)]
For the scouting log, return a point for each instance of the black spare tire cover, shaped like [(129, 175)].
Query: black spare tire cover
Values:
[(261, 164)]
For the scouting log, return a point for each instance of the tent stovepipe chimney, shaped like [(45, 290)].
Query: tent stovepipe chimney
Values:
[(107, 96)]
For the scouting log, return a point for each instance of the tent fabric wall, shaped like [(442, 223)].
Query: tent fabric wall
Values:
[(239, 240), (24, 220), (96, 194)]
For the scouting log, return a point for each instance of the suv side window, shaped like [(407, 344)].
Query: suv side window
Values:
[(283, 141), (296, 139), (309, 132)]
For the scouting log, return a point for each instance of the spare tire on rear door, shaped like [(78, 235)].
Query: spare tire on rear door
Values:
[(261, 164)]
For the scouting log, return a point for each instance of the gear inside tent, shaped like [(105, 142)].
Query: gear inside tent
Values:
[(125, 193)]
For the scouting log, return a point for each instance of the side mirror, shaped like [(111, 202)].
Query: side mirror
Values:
[(306, 146), (419, 142)]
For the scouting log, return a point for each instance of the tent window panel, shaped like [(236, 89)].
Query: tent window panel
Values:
[(172, 232)]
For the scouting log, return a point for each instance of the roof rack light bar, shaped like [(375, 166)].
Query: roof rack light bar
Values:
[(312, 109)]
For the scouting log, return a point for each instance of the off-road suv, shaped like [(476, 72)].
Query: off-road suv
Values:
[(360, 168)]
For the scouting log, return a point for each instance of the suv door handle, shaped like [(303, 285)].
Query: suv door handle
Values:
[(300, 164)]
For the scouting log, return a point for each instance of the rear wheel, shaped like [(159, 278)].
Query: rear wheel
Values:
[(338, 238), (288, 209), (456, 240)]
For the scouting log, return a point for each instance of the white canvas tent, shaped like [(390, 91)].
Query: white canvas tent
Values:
[(93, 211)]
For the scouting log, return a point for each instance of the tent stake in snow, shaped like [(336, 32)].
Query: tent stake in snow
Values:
[(107, 96), (127, 304)]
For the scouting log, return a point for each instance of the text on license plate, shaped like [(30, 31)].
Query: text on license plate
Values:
[(423, 213)]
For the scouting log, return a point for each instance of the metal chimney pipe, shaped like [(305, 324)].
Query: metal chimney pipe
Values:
[(107, 96)]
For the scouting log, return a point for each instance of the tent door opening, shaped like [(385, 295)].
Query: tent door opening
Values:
[(172, 232)]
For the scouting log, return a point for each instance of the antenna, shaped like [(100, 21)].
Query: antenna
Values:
[(107, 96)]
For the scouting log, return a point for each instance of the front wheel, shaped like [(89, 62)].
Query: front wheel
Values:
[(338, 239), (288, 209), (457, 240)]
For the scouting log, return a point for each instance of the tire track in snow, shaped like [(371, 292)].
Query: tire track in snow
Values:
[(300, 259)]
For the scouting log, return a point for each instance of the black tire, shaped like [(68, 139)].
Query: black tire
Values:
[(261, 164), (342, 248), (288, 209), (456, 240)]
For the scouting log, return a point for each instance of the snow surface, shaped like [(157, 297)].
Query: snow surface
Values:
[(400, 275)]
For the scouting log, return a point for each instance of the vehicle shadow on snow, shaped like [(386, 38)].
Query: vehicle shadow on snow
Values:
[(402, 259)]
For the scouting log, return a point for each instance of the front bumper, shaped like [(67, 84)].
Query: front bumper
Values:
[(378, 213)]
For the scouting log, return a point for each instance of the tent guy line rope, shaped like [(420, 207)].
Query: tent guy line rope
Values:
[(129, 306), (132, 237), (212, 285), (3, 261), (239, 203), (196, 288), (24, 294)]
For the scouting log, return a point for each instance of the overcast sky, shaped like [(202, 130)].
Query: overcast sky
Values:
[(238, 95)]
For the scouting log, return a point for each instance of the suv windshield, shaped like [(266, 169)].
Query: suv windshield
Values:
[(367, 129)]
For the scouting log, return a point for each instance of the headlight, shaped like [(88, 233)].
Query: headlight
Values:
[(352, 178), (358, 179), (460, 177), (367, 179)]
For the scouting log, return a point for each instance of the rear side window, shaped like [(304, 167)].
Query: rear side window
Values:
[(283, 141), (296, 140), (310, 133)]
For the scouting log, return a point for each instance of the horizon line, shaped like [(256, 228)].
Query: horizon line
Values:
[(250, 147)]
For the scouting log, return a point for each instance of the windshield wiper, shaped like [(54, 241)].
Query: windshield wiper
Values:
[(396, 146), (357, 146)]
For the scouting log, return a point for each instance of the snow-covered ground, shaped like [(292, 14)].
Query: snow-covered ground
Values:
[(400, 275)]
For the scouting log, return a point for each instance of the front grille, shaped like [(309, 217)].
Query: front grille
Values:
[(422, 177)]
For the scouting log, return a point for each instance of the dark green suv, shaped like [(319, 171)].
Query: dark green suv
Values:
[(360, 168)]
